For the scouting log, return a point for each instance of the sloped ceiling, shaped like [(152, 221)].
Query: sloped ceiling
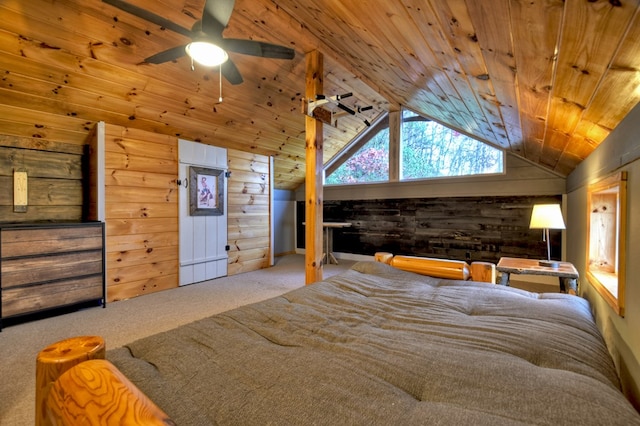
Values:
[(545, 80)]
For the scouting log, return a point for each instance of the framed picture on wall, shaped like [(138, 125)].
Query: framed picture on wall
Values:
[(206, 191)]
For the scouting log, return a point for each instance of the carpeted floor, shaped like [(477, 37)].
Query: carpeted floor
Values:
[(125, 321)]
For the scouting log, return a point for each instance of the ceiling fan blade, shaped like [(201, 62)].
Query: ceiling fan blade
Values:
[(167, 55), (258, 48), (215, 16), (231, 73), (148, 16)]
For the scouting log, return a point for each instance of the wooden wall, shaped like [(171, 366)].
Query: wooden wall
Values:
[(55, 179), (619, 152), (249, 211), (141, 202), (463, 228), (141, 212), (466, 218)]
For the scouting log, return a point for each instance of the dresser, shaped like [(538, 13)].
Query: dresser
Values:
[(50, 266)]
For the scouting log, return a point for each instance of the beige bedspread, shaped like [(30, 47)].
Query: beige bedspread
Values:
[(381, 346)]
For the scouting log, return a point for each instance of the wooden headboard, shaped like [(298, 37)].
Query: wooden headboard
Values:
[(441, 268)]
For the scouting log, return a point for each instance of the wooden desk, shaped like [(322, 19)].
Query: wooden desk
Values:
[(328, 239), (566, 272)]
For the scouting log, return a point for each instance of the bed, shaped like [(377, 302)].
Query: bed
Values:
[(373, 345)]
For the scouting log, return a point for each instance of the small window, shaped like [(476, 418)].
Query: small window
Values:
[(369, 164), (606, 229), (430, 150)]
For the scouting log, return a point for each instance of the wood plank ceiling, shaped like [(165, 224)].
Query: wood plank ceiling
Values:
[(546, 80)]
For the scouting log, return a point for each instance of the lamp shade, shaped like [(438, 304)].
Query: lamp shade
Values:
[(546, 216)]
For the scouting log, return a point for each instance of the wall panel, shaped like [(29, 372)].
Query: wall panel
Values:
[(141, 203), (248, 218), (142, 212), (55, 185), (462, 228), (619, 152), (141, 206)]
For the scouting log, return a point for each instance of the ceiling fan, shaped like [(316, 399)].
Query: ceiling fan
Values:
[(207, 47)]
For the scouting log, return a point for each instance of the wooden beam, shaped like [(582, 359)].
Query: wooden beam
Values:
[(313, 180)]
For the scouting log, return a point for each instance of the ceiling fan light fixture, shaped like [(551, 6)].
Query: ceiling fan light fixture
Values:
[(206, 53)]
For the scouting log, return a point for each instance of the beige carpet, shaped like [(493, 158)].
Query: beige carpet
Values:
[(123, 322)]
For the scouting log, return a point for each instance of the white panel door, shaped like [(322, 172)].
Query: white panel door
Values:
[(203, 239)]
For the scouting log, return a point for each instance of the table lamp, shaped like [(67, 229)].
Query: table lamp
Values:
[(547, 216)]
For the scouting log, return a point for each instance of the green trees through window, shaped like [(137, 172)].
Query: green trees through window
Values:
[(430, 150), (427, 150), (369, 164)]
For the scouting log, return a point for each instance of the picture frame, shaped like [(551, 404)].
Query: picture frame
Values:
[(206, 191)]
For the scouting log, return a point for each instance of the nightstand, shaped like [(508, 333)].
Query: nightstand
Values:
[(566, 272)]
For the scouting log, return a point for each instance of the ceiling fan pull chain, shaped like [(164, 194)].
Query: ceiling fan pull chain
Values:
[(220, 80), (193, 67)]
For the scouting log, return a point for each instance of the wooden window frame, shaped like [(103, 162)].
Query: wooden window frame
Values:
[(605, 263)]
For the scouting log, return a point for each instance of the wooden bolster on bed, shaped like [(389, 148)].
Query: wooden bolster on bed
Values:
[(75, 385), (441, 268), (96, 392)]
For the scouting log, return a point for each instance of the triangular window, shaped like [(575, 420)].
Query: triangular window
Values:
[(370, 163), (427, 150)]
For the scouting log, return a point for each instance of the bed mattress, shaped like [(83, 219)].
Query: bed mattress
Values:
[(376, 345)]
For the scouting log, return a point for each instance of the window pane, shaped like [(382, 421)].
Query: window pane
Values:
[(369, 164), (429, 149)]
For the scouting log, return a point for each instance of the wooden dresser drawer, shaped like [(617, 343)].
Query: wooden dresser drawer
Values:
[(47, 266)]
